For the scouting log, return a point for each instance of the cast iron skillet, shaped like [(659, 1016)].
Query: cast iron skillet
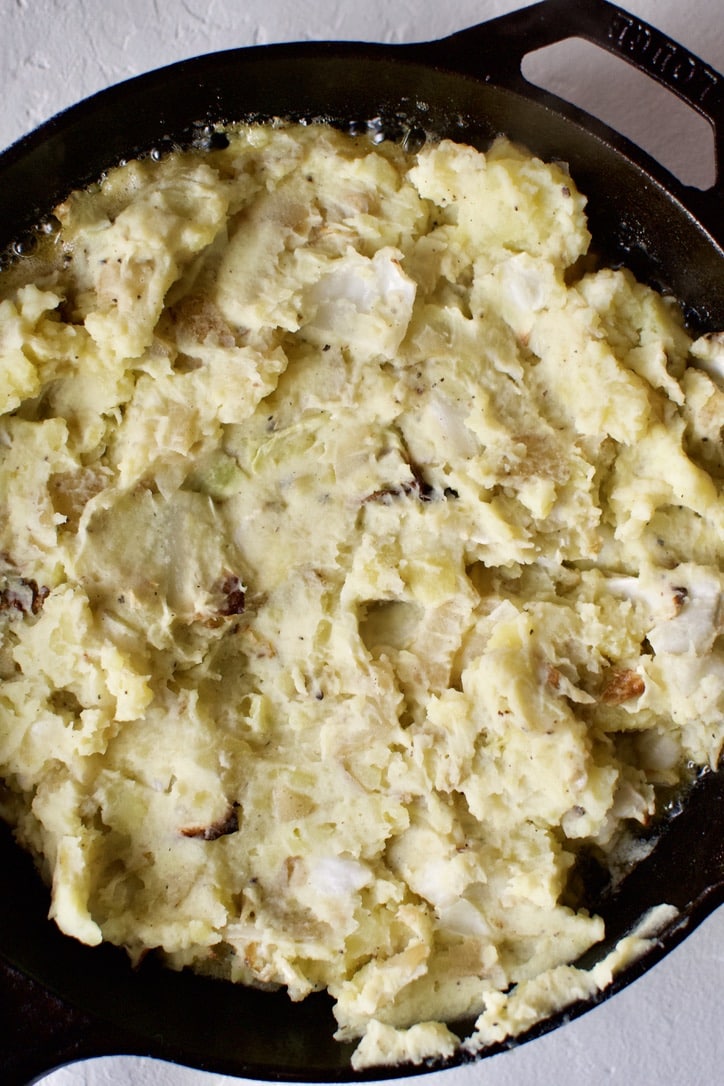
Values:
[(60, 1000)]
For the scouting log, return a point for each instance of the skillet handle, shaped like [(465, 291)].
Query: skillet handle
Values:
[(495, 50)]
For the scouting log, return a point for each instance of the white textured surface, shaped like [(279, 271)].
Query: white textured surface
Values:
[(667, 1027)]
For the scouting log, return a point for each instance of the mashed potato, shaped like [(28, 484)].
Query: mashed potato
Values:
[(361, 568)]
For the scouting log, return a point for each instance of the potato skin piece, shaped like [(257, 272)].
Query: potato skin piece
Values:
[(226, 825)]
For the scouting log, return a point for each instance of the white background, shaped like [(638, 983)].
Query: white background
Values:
[(669, 1026)]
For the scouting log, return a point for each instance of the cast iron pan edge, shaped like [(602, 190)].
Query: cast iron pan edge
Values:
[(63, 1001)]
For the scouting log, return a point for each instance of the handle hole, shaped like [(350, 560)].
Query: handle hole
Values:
[(629, 101)]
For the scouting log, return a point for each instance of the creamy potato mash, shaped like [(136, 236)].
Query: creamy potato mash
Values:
[(361, 566)]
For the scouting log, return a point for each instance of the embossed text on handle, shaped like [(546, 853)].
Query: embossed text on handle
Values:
[(662, 57)]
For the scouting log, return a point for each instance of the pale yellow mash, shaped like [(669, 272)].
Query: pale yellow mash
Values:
[(361, 564)]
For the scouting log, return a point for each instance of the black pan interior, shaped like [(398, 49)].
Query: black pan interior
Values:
[(636, 219)]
